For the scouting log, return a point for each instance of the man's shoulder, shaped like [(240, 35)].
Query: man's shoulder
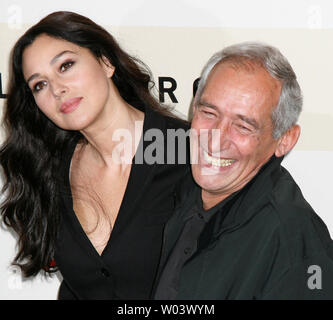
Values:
[(300, 229), (288, 201), (282, 212), (276, 199)]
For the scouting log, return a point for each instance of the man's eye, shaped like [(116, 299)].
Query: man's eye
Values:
[(207, 113), (66, 65), (39, 86), (243, 128)]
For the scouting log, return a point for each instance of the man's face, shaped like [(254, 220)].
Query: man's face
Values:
[(239, 104)]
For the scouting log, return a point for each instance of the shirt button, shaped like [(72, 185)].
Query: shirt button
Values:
[(187, 250), (200, 215), (105, 272)]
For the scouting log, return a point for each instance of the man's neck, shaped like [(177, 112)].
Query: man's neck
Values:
[(209, 200)]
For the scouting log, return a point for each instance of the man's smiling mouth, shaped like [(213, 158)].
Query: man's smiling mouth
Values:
[(217, 161)]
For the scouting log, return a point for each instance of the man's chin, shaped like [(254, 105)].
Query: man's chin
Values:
[(205, 178), (205, 171)]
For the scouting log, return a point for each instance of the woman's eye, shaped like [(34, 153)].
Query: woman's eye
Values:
[(39, 86), (66, 66)]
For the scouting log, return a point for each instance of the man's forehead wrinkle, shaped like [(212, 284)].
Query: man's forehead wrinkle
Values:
[(242, 63)]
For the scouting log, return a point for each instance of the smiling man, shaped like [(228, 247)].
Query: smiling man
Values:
[(243, 230)]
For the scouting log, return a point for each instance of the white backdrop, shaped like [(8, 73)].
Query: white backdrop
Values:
[(175, 38)]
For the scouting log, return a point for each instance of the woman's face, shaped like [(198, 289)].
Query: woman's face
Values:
[(70, 86)]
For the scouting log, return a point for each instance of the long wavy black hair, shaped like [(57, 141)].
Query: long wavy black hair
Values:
[(34, 145)]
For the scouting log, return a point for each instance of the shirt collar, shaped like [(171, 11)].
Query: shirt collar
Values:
[(197, 208)]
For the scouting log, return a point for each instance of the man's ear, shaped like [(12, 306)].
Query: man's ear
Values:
[(107, 66), (288, 141)]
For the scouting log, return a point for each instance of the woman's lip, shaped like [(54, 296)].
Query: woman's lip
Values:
[(70, 105)]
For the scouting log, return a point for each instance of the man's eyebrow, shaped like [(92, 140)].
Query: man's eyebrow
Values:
[(54, 59), (250, 121), (206, 104)]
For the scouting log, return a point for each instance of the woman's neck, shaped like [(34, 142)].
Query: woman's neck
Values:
[(114, 141)]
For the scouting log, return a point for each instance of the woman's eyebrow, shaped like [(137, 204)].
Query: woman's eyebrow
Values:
[(35, 75), (54, 59)]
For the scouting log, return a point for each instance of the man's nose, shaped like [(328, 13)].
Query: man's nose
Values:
[(220, 137)]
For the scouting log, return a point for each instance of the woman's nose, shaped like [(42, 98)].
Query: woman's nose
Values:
[(58, 88)]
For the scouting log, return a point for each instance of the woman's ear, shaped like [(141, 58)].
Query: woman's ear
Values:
[(107, 66), (288, 141)]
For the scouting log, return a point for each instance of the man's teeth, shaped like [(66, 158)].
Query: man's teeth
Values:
[(218, 162)]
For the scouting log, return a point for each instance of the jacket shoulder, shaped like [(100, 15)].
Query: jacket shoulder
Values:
[(302, 241), (301, 230)]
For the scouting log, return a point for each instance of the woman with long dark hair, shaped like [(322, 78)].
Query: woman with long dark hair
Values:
[(78, 202)]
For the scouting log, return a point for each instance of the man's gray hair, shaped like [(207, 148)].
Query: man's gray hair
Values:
[(289, 107)]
